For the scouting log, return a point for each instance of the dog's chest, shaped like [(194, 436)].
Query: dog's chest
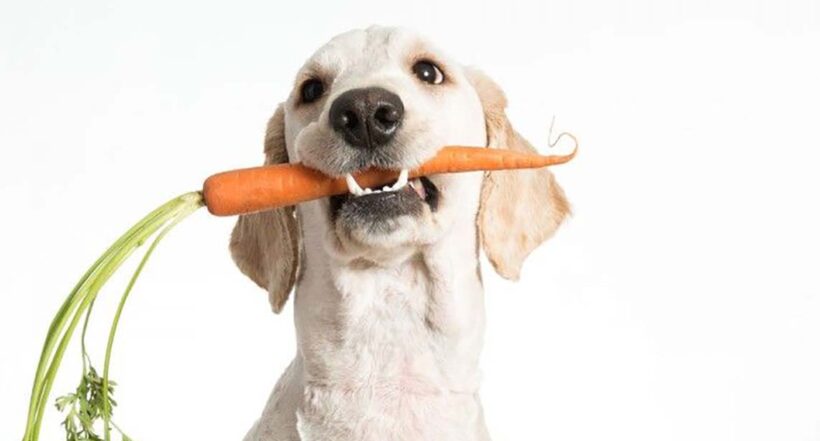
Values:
[(375, 330), (377, 367), (382, 414)]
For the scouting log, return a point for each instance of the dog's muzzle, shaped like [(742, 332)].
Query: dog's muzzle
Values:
[(368, 119)]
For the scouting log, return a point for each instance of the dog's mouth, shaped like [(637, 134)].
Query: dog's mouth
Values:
[(367, 205)]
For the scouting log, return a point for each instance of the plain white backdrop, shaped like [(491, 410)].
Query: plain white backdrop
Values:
[(681, 302)]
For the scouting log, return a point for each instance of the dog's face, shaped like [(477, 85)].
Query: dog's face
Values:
[(383, 98), (386, 98)]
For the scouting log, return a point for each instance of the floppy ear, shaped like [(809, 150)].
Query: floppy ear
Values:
[(520, 209), (265, 245)]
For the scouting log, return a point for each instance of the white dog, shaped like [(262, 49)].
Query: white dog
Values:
[(389, 308)]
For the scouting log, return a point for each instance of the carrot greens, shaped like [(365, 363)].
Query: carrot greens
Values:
[(92, 401)]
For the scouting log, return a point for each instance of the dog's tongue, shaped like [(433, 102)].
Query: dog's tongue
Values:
[(416, 185)]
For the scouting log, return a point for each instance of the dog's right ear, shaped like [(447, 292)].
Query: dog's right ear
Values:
[(265, 245)]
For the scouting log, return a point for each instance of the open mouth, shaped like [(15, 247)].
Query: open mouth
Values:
[(405, 196)]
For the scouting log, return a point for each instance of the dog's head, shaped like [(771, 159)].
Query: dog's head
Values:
[(384, 97)]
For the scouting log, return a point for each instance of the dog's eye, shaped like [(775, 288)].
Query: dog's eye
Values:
[(428, 72), (312, 90)]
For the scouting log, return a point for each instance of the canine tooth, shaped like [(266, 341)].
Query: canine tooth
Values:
[(402, 181), (353, 186)]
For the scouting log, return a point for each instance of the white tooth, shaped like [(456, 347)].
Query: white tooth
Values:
[(386, 188), (353, 186), (367, 191), (402, 181)]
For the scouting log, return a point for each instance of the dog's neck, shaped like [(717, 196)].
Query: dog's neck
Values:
[(417, 325)]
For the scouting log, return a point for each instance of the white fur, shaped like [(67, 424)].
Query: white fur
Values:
[(389, 326)]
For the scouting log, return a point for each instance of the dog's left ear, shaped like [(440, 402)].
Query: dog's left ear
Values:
[(520, 209), (265, 245)]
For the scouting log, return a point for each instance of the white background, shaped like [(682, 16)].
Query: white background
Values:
[(681, 302)]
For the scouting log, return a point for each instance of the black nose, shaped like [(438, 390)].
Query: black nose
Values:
[(367, 118)]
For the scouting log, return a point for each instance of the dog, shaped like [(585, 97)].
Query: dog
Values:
[(388, 306)]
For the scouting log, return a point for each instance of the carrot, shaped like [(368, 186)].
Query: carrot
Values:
[(262, 188)]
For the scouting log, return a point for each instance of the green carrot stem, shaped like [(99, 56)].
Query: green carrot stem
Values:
[(113, 331), (73, 300), (83, 295)]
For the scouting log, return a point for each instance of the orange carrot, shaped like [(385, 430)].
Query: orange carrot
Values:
[(271, 186)]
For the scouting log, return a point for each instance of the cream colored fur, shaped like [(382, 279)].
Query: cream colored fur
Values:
[(390, 326)]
